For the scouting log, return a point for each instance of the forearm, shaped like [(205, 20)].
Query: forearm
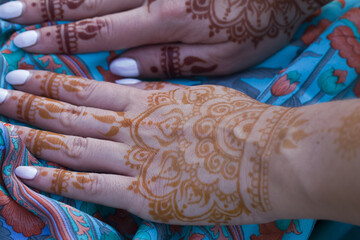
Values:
[(323, 162)]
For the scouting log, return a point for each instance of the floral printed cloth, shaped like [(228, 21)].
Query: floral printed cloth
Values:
[(322, 63)]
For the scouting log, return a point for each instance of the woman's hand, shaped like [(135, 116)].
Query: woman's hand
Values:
[(193, 155), (170, 38)]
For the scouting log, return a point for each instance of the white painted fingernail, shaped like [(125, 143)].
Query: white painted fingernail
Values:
[(128, 81), (26, 172), (126, 67), (17, 77), (26, 39), (3, 95), (11, 10)]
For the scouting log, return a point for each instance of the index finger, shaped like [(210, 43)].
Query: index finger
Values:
[(31, 12)]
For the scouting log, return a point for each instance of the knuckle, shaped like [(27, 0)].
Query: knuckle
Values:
[(172, 10), (87, 91), (92, 184), (76, 147), (106, 29), (71, 116), (93, 5)]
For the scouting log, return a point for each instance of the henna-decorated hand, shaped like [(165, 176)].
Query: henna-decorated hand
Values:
[(191, 155), (169, 38)]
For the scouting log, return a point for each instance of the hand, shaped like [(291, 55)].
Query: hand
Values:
[(169, 38), (193, 155)]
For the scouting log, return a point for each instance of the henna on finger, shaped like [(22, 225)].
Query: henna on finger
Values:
[(69, 35), (51, 83), (62, 179), (54, 9), (173, 66)]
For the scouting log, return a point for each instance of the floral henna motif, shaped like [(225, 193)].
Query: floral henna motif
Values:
[(172, 66), (68, 35), (62, 179), (37, 141), (51, 82), (206, 145), (245, 20), (54, 9)]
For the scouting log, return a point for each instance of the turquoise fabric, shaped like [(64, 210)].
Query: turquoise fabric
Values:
[(322, 63)]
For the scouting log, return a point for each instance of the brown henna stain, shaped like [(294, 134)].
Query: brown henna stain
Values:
[(154, 69), (248, 20), (51, 84), (173, 67), (54, 9), (69, 35), (37, 141), (348, 136), (44, 173), (63, 178)]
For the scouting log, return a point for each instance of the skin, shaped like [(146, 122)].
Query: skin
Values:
[(195, 37), (191, 155)]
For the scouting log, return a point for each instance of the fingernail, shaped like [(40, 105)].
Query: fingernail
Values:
[(126, 67), (3, 94), (127, 81), (26, 39), (26, 172), (17, 77), (11, 10)]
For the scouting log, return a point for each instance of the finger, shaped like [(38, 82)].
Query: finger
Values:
[(64, 118), (82, 154), (104, 189), (149, 85), (176, 60), (74, 90), (31, 12), (94, 34)]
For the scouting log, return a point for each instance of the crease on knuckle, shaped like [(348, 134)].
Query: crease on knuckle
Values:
[(106, 30), (71, 116), (93, 6), (75, 148), (87, 91)]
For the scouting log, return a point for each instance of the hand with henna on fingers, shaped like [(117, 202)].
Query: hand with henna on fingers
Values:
[(166, 38)]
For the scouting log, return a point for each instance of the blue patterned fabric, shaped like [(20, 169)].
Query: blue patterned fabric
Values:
[(322, 63)]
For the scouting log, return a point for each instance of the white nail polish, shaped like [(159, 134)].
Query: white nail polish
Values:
[(26, 172), (17, 77), (125, 67), (26, 39), (127, 81), (3, 95), (11, 10)]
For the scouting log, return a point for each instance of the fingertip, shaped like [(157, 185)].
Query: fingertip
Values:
[(26, 39), (128, 81), (26, 172), (11, 10), (17, 77), (126, 67)]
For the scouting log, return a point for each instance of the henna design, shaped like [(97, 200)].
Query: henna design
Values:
[(68, 35), (29, 107), (54, 9), (172, 66), (63, 178), (37, 141), (348, 136), (51, 83), (198, 147), (245, 20)]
